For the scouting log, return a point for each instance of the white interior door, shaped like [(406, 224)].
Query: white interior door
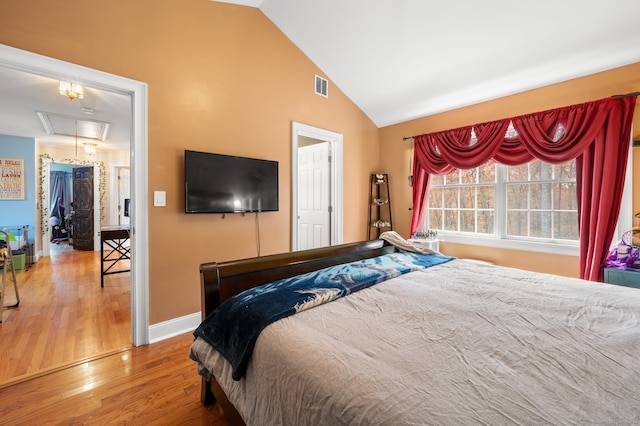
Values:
[(303, 135), (314, 196), (124, 195)]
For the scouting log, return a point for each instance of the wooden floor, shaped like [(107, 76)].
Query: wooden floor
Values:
[(66, 354), (64, 316), (149, 385)]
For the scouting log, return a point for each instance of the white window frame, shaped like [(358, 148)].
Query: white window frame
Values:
[(563, 247)]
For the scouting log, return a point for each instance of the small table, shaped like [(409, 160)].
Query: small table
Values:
[(626, 277), (114, 237)]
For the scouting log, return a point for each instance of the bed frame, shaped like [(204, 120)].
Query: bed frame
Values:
[(220, 281)]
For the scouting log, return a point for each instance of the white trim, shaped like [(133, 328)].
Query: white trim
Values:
[(625, 219), (33, 63), (46, 182), (335, 139), (250, 3), (174, 327), (571, 249)]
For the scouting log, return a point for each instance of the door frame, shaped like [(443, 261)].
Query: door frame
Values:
[(33, 63), (336, 176)]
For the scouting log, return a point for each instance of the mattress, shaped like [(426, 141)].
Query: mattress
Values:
[(457, 343)]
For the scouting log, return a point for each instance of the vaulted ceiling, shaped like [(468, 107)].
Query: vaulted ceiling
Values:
[(396, 59), (403, 59)]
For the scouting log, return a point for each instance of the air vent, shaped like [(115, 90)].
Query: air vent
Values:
[(322, 86)]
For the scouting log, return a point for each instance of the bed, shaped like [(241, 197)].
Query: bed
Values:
[(452, 342)]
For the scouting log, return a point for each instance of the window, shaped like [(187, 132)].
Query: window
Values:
[(541, 201), (534, 202), (464, 201)]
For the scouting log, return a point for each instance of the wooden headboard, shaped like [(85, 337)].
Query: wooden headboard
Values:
[(220, 281)]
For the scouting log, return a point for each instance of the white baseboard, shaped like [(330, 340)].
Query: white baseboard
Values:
[(174, 327)]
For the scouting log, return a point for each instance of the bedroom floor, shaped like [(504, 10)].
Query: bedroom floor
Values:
[(66, 354), (151, 385), (64, 316)]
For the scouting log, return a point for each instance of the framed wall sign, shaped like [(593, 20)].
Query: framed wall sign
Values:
[(11, 179)]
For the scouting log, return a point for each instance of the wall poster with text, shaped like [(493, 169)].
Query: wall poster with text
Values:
[(11, 179)]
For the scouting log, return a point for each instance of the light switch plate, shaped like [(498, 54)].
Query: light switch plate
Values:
[(159, 198)]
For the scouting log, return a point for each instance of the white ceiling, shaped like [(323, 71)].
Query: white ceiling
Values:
[(23, 95), (396, 59), (403, 59)]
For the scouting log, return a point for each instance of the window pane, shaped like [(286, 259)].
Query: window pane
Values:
[(540, 196), (540, 225), (486, 197), (435, 198), (546, 171), (534, 170), (468, 197), (517, 196), (485, 221), (564, 196), (566, 170), (450, 220), (468, 221), (487, 173), (518, 173), (435, 180), (517, 224), (540, 171), (452, 178), (435, 219), (559, 133), (469, 176), (566, 225), (451, 197)]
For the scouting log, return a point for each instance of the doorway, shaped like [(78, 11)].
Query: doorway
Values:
[(60, 206), (46, 166), (48, 67), (121, 193), (316, 200), (314, 193)]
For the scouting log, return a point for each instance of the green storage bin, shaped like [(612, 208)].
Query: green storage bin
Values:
[(18, 261)]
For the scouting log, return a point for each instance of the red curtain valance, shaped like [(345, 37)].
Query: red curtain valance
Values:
[(596, 133)]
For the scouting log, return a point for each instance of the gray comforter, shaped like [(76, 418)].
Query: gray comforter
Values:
[(458, 343)]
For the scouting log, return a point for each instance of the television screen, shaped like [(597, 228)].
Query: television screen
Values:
[(216, 183)]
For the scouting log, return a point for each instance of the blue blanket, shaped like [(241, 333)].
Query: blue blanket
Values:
[(233, 328)]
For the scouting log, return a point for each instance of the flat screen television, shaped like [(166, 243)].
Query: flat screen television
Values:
[(217, 183)]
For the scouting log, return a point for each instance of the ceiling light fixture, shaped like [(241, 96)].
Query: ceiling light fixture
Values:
[(90, 148), (71, 90)]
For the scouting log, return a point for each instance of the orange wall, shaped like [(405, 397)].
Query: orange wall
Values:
[(395, 154), (222, 78)]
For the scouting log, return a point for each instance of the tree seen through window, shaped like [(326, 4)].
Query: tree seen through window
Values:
[(537, 200)]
